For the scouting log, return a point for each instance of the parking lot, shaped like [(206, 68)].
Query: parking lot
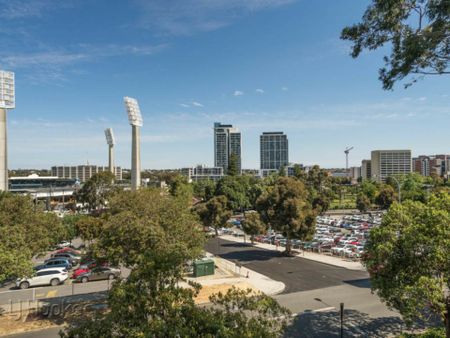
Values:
[(343, 236), (298, 274)]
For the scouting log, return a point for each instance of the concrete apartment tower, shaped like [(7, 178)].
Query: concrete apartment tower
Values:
[(110, 140), (7, 101), (385, 163), (274, 152), (135, 118), (227, 141)]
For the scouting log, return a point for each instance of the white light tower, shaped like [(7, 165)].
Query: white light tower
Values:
[(7, 101), (111, 142), (135, 118)]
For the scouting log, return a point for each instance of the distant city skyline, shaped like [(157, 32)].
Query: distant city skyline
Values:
[(258, 65)]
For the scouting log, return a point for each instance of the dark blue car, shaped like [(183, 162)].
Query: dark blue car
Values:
[(55, 263)]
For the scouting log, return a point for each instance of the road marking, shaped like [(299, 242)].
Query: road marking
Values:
[(325, 309), (51, 293), (40, 295)]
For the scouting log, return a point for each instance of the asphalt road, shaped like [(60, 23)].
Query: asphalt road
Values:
[(298, 274)]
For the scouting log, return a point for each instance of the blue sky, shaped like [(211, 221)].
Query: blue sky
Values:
[(261, 65)]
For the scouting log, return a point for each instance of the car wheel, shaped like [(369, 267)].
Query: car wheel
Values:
[(54, 282), (24, 285), (84, 280), (111, 277)]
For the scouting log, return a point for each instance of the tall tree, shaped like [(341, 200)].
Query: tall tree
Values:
[(236, 189), (215, 212), (204, 189), (385, 197), (233, 166), (180, 187), (407, 258), (95, 191), (24, 233), (287, 209), (253, 225), (363, 203), (416, 30)]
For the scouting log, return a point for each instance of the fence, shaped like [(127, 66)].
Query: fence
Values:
[(39, 297)]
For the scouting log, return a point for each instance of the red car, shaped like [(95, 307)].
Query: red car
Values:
[(68, 249), (80, 271)]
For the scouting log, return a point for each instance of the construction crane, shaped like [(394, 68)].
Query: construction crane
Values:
[(347, 151)]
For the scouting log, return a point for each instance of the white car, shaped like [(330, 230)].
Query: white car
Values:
[(63, 245), (49, 276)]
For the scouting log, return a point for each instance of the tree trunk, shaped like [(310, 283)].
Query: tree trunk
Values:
[(288, 245)]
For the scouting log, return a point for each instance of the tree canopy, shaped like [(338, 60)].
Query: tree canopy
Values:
[(24, 233), (95, 191), (253, 225), (233, 166), (417, 32), (408, 258), (287, 209), (215, 212)]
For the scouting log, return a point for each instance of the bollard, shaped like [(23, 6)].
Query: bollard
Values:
[(342, 320)]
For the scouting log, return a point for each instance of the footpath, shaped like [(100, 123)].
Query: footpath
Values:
[(322, 258)]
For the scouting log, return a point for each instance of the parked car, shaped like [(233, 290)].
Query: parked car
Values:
[(68, 249), (80, 271), (73, 259), (63, 245), (99, 273), (49, 276), (55, 263)]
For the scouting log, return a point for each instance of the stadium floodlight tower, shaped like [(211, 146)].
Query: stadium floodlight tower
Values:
[(7, 101), (111, 142), (135, 118)]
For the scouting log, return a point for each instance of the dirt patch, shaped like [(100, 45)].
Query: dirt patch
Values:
[(10, 324), (208, 290)]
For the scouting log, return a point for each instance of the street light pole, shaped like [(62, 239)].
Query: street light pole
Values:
[(7, 101)]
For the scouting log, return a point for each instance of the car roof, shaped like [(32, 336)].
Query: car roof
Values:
[(55, 268), (57, 259)]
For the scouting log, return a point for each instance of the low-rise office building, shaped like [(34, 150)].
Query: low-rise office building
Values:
[(200, 172), (82, 172)]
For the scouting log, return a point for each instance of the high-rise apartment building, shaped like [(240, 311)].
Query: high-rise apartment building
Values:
[(385, 163), (227, 141), (82, 172), (366, 170), (274, 152)]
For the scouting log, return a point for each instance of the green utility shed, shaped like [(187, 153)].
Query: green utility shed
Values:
[(204, 267)]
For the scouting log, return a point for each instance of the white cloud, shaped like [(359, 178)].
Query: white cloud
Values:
[(185, 17), (197, 104), (423, 98), (284, 89), (51, 65), (259, 91), (238, 93), (184, 105)]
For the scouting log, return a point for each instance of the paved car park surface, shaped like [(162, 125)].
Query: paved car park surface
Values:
[(298, 274)]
